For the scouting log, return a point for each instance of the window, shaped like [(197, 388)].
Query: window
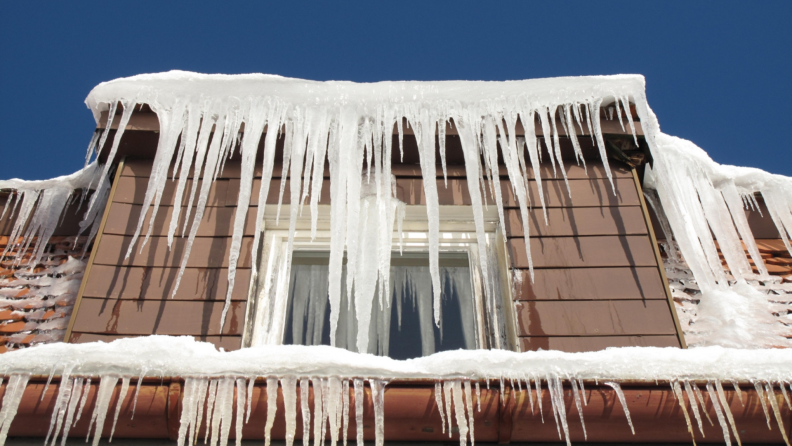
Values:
[(293, 307)]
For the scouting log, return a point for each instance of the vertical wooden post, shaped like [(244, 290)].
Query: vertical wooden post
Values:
[(659, 259)]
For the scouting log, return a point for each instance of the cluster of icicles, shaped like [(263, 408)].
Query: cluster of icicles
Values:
[(349, 133), (40, 207), (216, 403)]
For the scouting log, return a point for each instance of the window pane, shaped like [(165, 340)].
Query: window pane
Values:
[(402, 325)]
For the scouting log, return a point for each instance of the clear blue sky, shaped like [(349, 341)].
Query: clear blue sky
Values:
[(718, 72)]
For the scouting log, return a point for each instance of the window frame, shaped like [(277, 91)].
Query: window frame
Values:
[(495, 321)]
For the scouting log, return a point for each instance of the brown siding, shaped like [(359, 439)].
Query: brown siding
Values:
[(596, 280), (595, 254), (128, 297)]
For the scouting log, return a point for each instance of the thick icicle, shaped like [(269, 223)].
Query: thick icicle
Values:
[(378, 398), (762, 401), (438, 394), (121, 397), (617, 388), (318, 414), (774, 404), (721, 419), (725, 404), (305, 410), (677, 389), (272, 408), (241, 398), (289, 389), (359, 394), (579, 405), (103, 395), (459, 411), (694, 406), (11, 399), (345, 408), (77, 389), (469, 406), (447, 394)]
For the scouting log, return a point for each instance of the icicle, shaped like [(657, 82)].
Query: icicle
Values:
[(121, 397), (254, 125), (103, 395), (334, 403), (345, 403), (189, 406), (762, 402), (617, 388), (378, 397), (553, 404), (774, 404), (539, 395), (719, 413), (579, 405), (289, 386), (478, 396), (11, 399), (200, 402), (77, 389), (700, 399), (469, 405), (447, 391), (137, 393), (780, 385), (438, 394), (692, 400), (251, 382), (83, 400), (557, 391), (459, 412), (241, 399), (676, 388), (272, 407), (318, 415), (358, 384), (305, 410), (530, 394), (725, 404), (59, 410), (210, 408)]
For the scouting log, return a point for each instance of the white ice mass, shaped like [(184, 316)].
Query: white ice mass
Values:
[(205, 119)]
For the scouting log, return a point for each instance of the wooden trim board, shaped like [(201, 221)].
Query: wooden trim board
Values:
[(97, 240)]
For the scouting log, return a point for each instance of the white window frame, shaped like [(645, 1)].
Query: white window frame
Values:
[(266, 314)]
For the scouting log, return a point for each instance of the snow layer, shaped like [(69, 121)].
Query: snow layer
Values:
[(211, 377), (185, 357)]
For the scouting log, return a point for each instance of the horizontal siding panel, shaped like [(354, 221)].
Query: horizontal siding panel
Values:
[(166, 317), (232, 170), (585, 192), (133, 190), (232, 194), (612, 220), (594, 318), (227, 343), (216, 221), (576, 344), (622, 283), (122, 282), (581, 252), (207, 252)]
